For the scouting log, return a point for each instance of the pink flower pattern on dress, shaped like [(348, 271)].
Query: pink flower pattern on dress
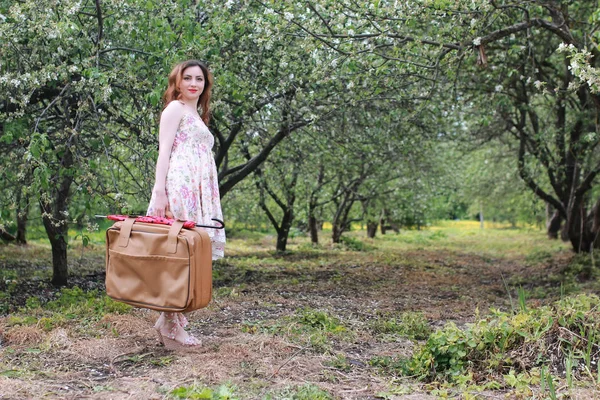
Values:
[(192, 187)]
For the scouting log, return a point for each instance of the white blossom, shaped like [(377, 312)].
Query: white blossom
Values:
[(589, 137), (288, 16), (106, 93), (581, 68), (498, 88), (573, 86), (477, 41), (574, 65), (76, 6)]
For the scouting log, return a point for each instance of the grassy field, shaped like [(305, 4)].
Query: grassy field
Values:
[(451, 311)]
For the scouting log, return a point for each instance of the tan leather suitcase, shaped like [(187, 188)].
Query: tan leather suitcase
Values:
[(161, 267)]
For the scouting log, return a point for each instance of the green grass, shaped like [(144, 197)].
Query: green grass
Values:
[(316, 330), (73, 307), (198, 391), (412, 325), (495, 243), (304, 392), (448, 235)]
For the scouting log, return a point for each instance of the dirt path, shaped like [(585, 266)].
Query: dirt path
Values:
[(253, 337)]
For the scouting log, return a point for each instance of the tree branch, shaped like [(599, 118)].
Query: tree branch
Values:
[(586, 184), (125, 49), (245, 169), (100, 22), (534, 186)]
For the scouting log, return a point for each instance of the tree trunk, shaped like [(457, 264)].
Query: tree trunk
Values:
[(341, 219), (313, 229), (284, 232), (382, 226), (595, 222), (313, 203), (582, 229), (553, 222), (371, 229), (564, 232), (54, 217), (282, 238), (481, 215), (336, 233), (22, 215), (22, 229), (56, 230), (286, 205), (341, 222), (58, 241)]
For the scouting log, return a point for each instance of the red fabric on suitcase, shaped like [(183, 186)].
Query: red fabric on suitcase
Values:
[(152, 220)]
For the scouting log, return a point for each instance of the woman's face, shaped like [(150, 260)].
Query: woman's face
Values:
[(192, 83)]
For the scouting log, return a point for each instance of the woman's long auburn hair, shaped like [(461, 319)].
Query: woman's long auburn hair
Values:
[(175, 77)]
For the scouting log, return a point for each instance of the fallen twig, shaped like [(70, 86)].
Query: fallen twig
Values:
[(286, 362)]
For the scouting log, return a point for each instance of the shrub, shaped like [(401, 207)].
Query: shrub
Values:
[(532, 338)]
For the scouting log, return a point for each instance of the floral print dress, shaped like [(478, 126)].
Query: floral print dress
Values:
[(191, 186)]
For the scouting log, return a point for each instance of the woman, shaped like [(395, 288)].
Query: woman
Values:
[(186, 186)]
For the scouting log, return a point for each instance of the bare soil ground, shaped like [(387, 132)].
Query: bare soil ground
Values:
[(254, 341)]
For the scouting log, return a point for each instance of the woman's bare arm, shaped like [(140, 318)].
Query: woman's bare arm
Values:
[(169, 122)]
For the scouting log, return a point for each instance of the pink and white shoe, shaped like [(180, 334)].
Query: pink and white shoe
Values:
[(171, 334)]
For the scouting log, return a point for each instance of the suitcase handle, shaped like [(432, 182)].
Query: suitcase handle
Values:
[(125, 233), (172, 237)]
